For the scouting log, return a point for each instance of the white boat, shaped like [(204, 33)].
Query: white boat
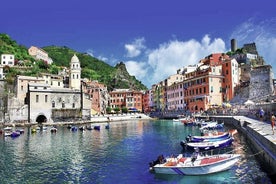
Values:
[(212, 125), (207, 145), (201, 165)]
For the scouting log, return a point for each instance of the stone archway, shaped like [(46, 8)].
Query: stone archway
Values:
[(41, 119)]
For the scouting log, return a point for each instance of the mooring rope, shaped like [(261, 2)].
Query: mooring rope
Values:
[(255, 154)]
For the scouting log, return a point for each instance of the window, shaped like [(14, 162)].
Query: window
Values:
[(46, 98), (22, 88), (37, 98), (73, 105), (212, 89), (53, 104), (63, 104)]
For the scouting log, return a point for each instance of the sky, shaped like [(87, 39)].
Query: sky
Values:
[(153, 38)]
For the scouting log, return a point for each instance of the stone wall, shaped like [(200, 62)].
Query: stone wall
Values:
[(261, 82)]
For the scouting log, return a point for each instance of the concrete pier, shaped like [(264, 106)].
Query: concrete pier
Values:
[(260, 137)]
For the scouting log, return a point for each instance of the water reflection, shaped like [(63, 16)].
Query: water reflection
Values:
[(117, 155)]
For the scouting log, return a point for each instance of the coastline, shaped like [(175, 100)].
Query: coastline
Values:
[(94, 119)]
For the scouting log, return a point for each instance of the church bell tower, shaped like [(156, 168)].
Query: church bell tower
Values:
[(75, 73)]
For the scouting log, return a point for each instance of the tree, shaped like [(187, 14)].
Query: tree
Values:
[(124, 110), (108, 110), (117, 109)]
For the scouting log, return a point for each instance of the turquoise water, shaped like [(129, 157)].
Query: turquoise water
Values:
[(118, 155)]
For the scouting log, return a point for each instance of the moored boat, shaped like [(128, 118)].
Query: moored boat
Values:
[(53, 129), (194, 165), (97, 127), (211, 137), (15, 134), (207, 145)]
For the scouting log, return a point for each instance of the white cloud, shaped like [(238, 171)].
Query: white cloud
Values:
[(90, 52), (135, 48), (169, 57), (137, 69)]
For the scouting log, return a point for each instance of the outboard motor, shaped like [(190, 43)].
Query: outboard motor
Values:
[(160, 160), (188, 138), (183, 144)]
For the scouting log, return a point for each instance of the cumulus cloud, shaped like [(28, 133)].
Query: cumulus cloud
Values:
[(137, 69), (135, 48), (169, 57), (263, 33)]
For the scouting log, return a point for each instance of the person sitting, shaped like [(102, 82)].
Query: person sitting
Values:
[(195, 155)]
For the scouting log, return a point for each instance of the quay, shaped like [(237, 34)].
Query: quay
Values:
[(260, 137), (94, 119)]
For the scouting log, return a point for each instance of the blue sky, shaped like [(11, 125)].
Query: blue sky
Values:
[(153, 38)]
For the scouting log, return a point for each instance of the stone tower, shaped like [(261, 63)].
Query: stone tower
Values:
[(75, 73)]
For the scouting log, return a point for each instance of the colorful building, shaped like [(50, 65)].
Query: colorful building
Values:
[(130, 99)]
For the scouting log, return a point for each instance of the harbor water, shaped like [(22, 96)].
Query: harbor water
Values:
[(120, 154)]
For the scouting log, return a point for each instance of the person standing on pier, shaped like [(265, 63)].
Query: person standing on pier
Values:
[(272, 122), (261, 114)]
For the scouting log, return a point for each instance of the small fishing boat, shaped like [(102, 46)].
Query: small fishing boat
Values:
[(53, 129), (82, 128), (89, 127), (194, 165), (21, 131), (212, 125), (211, 137), (15, 134), (74, 128), (207, 145), (97, 127)]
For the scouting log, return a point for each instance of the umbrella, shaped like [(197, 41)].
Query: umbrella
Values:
[(249, 102)]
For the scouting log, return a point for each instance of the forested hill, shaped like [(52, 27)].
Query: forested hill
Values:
[(95, 69), (92, 68)]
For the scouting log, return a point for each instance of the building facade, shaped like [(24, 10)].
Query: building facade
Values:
[(130, 99), (39, 54), (7, 60)]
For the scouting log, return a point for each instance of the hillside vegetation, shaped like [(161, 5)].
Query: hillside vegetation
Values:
[(92, 68)]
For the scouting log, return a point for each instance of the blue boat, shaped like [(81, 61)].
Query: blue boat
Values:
[(223, 136), (74, 128), (15, 134), (97, 127), (203, 146)]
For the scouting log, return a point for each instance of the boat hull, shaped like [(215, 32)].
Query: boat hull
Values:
[(198, 170), (208, 138), (203, 146)]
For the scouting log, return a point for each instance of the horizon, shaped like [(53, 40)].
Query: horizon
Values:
[(153, 39)]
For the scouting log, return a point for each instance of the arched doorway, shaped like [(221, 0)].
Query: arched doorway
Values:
[(41, 119)]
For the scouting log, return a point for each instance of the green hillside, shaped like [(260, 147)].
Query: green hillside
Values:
[(92, 68)]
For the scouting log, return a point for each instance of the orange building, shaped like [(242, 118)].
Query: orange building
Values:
[(126, 98), (212, 83)]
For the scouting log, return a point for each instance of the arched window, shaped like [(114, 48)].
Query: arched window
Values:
[(53, 104), (73, 76)]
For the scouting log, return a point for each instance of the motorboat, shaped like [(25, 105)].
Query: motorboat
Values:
[(208, 145), (195, 164), (211, 137)]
